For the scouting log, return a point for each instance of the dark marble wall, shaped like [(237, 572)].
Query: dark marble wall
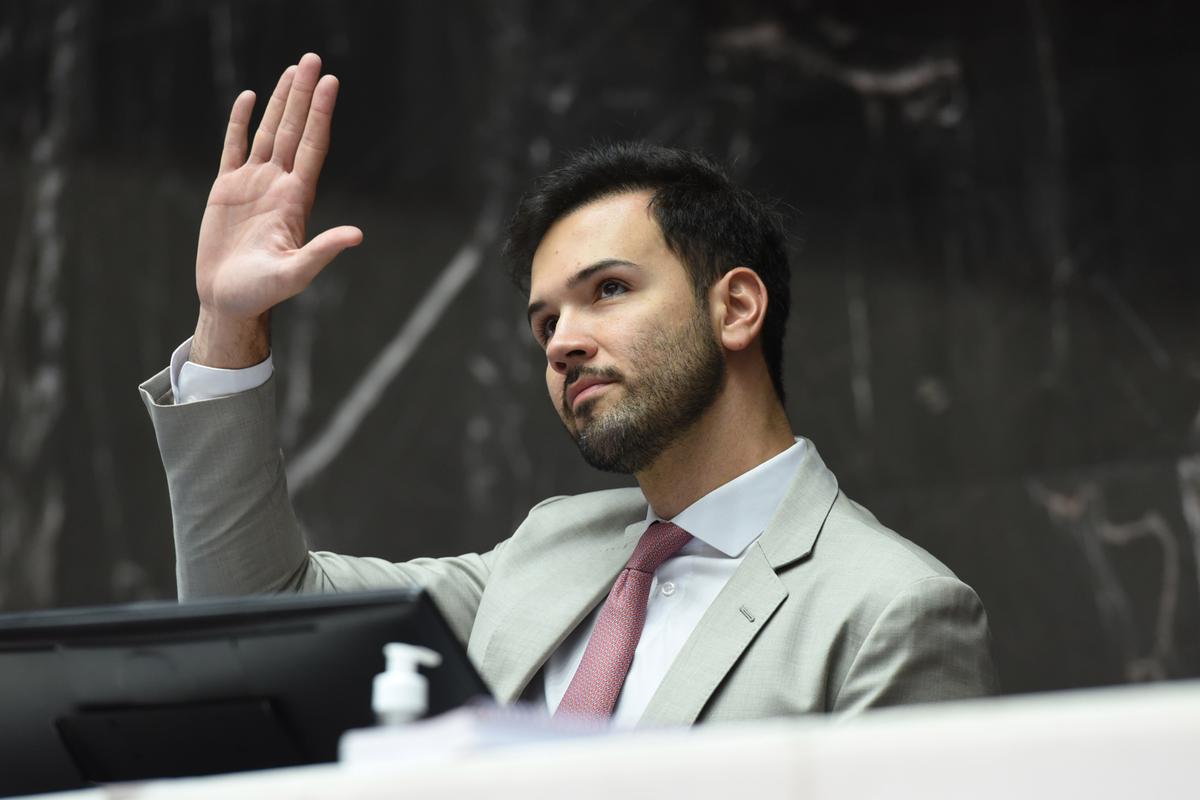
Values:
[(994, 340)]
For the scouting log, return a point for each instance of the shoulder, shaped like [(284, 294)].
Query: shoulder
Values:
[(594, 519), (883, 608), (616, 507), (911, 630), (854, 534), (868, 567)]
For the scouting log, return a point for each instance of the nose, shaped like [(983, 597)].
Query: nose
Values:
[(570, 345)]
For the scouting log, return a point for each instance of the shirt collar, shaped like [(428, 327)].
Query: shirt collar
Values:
[(734, 514)]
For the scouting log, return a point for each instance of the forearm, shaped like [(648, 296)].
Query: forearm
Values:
[(235, 531)]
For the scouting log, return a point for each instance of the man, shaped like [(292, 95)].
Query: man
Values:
[(736, 582)]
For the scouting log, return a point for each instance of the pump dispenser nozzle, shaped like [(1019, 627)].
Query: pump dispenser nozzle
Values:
[(401, 692)]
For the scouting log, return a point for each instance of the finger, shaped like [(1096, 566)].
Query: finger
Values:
[(291, 127), (316, 255), (314, 144), (264, 139), (233, 155)]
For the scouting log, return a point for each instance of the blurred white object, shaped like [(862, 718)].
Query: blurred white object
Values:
[(401, 692), (460, 732)]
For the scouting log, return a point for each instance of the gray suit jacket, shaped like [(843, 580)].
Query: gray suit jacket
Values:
[(829, 610)]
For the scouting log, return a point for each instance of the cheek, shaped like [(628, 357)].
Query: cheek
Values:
[(554, 385), (637, 339)]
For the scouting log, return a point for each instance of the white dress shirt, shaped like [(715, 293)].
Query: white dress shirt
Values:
[(191, 382), (723, 523)]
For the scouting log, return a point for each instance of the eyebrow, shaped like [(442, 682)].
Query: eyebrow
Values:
[(578, 278)]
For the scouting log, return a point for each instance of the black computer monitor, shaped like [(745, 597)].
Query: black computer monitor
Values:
[(154, 690)]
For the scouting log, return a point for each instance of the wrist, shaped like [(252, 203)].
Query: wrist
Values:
[(230, 342)]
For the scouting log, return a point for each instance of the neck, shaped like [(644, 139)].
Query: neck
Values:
[(742, 430)]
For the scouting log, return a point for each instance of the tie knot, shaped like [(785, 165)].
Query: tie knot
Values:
[(660, 541)]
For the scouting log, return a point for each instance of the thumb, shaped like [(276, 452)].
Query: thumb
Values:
[(324, 247)]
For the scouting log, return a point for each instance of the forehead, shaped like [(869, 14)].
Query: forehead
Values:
[(619, 227)]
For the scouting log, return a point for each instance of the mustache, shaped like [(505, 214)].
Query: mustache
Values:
[(579, 371)]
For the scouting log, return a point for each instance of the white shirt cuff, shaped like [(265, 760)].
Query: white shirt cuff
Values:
[(191, 382)]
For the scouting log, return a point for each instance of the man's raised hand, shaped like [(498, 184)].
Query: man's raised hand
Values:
[(252, 253)]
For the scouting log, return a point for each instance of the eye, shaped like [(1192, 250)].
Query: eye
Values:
[(546, 328), (611, 288)]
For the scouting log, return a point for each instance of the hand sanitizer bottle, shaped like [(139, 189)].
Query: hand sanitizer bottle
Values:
[(401, 692)]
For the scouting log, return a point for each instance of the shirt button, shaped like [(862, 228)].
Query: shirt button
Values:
[(668, 588)]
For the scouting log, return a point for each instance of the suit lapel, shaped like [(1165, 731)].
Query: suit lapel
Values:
[(792, 533), (722, 635), (750, 598), (565, 588)]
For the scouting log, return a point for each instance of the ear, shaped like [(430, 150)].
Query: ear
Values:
[(739, 306)]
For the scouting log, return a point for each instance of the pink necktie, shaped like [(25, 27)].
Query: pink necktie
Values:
[(597, 683)]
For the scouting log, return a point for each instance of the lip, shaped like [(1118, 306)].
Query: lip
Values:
[(584, 388)]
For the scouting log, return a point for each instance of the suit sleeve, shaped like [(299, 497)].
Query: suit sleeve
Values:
[(930, 642), (235, 529)]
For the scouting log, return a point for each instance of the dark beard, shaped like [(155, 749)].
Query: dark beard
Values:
[(681, 376)]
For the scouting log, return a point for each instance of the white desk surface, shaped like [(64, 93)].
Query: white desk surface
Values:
[(1128, 742)]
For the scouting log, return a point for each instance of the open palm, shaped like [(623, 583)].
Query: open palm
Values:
[(252, 252)]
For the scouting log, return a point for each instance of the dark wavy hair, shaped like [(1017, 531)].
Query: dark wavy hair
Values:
[(711, 224)]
